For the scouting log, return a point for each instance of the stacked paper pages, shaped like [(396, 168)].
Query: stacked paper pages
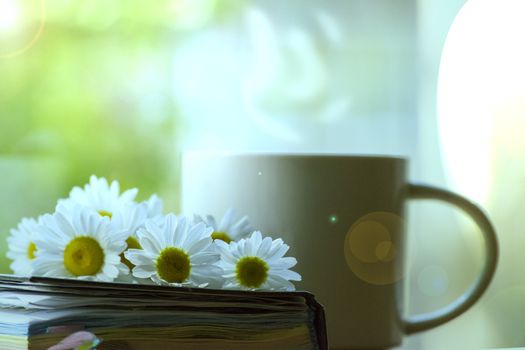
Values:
[(38, 313)]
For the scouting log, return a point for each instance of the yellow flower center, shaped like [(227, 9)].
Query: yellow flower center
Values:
[(83, 256), (223, 236), (31, 249), (173, 265), (132, 244), (105, 213), (251, 271)]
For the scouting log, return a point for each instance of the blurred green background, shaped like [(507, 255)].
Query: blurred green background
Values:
[(85, 89)]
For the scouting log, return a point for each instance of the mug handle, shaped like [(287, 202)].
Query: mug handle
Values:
[(418, 323)]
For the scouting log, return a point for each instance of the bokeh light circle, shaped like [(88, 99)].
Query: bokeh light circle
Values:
[(373, 248)]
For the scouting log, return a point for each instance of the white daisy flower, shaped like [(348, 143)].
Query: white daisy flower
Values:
[(155, 206), (100, 196), (21, 248), (255, 264), (130, 218), (82, 245), (228, 229), (176, 252)]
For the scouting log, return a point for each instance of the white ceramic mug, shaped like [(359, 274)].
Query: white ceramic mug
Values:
[(343, 217)]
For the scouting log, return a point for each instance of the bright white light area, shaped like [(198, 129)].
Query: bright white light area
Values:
[(191, 14), (9, 14), (481, 91)]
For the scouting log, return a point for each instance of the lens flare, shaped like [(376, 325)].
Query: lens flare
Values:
[(10, 16), (372, 248)]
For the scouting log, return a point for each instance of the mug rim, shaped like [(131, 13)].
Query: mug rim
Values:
[(294, 155)]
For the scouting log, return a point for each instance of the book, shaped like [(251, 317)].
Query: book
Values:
[(38, 313)]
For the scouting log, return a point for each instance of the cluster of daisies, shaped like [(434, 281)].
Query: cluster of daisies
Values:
[(101, 234)]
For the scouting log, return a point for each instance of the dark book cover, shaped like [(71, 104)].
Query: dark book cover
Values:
[(137, 316)]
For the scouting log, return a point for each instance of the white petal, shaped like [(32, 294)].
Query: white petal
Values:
[(286, 274), (227, 220), (284, 263), (226, 255), (277, 253), (55, 271), (111, 271), (51, 231), (138, 257), (239, 248), (112, 259), (280, 283), (153, 229), (64, 225), (197, 218), (249, 247), (276, 244), (117, 236), (256, 239), (76, 193), (170, 228), (210, 221), (197, 232), (21, 267), (200, 245), (51, 244), (114, 188), (44, 265), (102, 277), (204, 257), (122, 269), (143, 271), (181, 233), (241, 228), (83, 221), (264, 247), (222, 246), (207, 270), (129, 195), (148, 242), (211, 278)]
